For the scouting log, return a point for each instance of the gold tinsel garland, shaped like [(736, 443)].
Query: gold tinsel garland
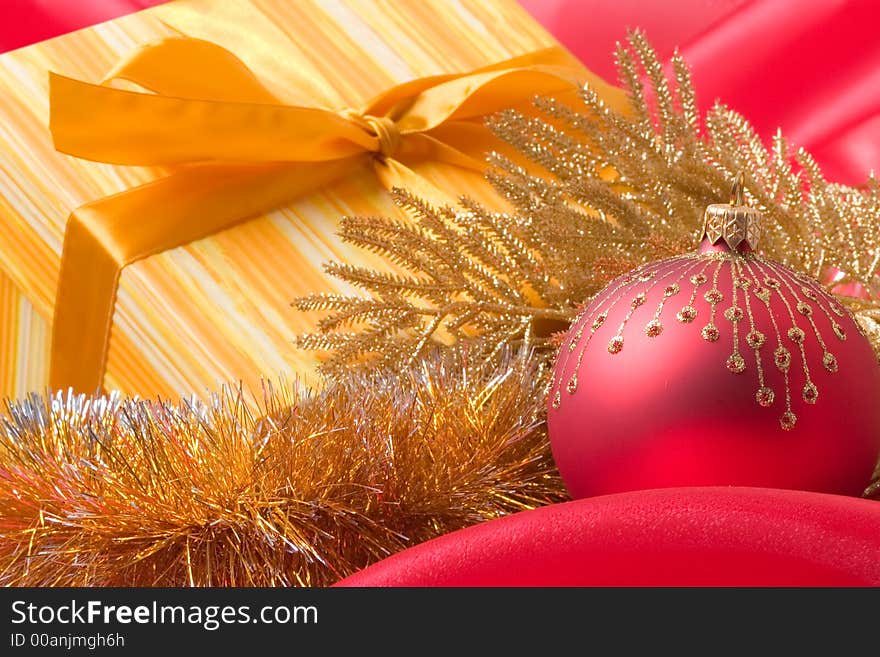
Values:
[(300, 489)]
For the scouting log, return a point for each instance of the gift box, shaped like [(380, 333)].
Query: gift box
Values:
[(173, 178)]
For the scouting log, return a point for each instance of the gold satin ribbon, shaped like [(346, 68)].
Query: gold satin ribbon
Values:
[(235, 152)]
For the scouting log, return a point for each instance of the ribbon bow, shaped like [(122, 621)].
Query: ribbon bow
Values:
[(235, 151)]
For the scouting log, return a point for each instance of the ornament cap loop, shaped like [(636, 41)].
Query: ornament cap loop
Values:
[(734, 223), (736, 192)]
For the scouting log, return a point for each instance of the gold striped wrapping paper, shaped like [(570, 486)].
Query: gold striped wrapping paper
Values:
[(218, 309), (24, 342)]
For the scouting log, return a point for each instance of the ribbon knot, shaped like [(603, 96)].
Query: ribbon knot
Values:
[(235, 150), (382, 128)]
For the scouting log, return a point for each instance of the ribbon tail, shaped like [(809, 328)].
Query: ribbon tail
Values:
[(84, 303), (103, 237)]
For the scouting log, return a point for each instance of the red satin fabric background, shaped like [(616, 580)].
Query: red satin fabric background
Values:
[(809, 66), (671, 537), (28, 21)]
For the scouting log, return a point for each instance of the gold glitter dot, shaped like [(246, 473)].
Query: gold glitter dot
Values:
[(736, 364), (804, 309), (755, 339), (653, 328), (743, 283), (796, 335), (763, 294), (810, 392), (765, 396), (615, 344), (600, 319), (838, 331), (788, 420), (782, 358), (686, 314), (772, 283), (670, 290), (710, 333), (837, 309), (639, 300), (829, 361), (734, 314), (809, 293), (572, 384), (647, 276), (698, 279), (557, 400), (713, 296)]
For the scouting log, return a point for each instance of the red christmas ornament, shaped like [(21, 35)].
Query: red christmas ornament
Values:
[(719, 367)]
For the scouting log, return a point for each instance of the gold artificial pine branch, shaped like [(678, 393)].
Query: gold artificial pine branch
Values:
[(617, 190)]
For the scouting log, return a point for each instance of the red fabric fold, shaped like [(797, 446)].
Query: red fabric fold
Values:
[(811, 67), (28, 21), (724, 536)]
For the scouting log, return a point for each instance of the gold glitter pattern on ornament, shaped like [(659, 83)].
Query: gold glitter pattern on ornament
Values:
[(688, 312), (810, 393), (783, 355), (615, 295), (713, 297), (829, 361), (615, 345), (653, 328), (758, 290), (595, 322), (811, 291), (765, 396), (754, 338), (764, 294), (735, 363)]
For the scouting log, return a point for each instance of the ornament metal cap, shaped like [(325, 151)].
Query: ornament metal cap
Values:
[(734, 223)]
